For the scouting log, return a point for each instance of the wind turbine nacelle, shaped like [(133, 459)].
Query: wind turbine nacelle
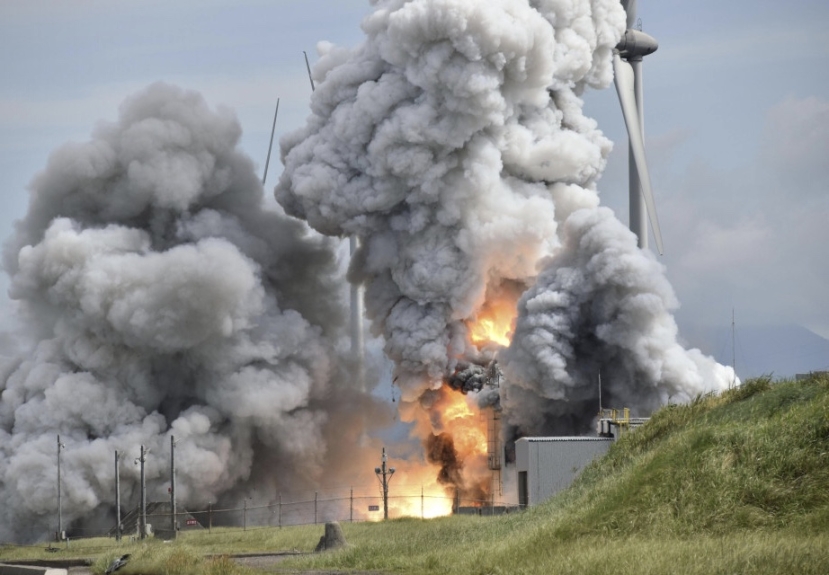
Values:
[(636, 44)]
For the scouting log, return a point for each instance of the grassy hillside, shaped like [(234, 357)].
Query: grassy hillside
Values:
[(756, 457), (737, 483)]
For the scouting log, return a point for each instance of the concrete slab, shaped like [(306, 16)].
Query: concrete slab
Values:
[(6, 569)]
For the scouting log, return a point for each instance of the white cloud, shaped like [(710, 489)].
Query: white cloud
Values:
[(754, 236), (796, 140)]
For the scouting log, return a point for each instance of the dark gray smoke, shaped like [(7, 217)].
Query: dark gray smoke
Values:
[(167, 301), (601, 308)]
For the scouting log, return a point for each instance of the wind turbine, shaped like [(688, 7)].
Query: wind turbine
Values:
[(627, 71), (358, 351)]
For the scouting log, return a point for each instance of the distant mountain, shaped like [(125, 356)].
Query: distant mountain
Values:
[(779, 350)]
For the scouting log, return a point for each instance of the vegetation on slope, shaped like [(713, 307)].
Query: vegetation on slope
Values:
[(756, 457)]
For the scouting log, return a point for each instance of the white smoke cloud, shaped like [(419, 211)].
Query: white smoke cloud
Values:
[(166, 301), (440, 142), (453, 143)]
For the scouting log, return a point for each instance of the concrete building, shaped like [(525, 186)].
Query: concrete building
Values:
[(546, 465)]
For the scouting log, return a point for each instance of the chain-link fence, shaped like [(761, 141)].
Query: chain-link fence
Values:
[(291, 509), (344, 505), (313, 507)]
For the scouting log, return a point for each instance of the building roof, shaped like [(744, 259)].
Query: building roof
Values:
[(574, 438)]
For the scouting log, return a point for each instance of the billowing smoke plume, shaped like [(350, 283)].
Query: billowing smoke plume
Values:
[(166, 301), (442, 142), (453, 143), (600, 309)]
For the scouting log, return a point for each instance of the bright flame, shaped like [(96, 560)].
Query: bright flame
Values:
[(488, 330), (466, 426), (453, 428), (433, 501), (455, 415), (493, 324)]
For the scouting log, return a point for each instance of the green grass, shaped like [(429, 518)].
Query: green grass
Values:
[(734, 483)]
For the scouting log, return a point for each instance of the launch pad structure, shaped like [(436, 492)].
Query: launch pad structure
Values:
[(494, 452), (544, 466)]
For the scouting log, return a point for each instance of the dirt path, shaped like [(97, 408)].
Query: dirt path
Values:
[(269, 564)]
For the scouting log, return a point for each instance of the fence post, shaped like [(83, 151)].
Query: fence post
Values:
[(279, 499), (457, 500), (315, 507), (421, 503), (210, 518), (351, 507), (245, 515)]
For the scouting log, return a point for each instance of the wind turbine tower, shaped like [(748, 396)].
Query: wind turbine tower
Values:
[(356, 324), (627, 68)]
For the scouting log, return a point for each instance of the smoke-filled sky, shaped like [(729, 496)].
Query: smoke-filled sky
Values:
[(737, 118), (145, 259)]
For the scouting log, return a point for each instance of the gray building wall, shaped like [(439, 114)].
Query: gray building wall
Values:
[(546, 465)]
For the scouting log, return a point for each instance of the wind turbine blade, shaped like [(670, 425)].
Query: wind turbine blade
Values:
[(270, 146), (630, 10), (625, 88), (308, 66)]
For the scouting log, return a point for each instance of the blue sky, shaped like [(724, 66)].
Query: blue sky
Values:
[(737, 119)]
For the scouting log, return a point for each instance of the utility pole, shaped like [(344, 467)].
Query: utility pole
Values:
[(60, 509), (117, 499), (173, 485), (384, 476), (143, 519)]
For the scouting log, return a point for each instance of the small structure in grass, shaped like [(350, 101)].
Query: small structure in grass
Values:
[(332, 539)]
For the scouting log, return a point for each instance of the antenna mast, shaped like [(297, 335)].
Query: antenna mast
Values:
[(60, 508), (733, 347)]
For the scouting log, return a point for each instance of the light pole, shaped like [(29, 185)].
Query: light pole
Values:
[(61, 446), (384, 476)]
